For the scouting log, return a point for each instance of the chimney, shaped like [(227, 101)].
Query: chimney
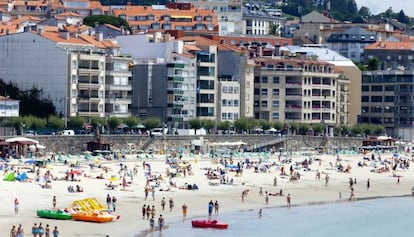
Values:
[(99, 36), (40, 31), (7, 31), (64, 34)]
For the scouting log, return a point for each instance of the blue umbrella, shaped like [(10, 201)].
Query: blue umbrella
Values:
[(31, 161)]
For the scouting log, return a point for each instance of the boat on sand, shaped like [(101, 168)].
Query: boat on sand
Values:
[(208, 224)]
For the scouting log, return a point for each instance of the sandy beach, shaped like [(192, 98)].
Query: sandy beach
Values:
[(307, 190)]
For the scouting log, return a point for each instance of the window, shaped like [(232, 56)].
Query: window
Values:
[(389, 99), (276, 80), (275, 116), (389, 88), (275, 91), (376, 98), (365, 98), (264, 79), (275, 103), (365, 88), (376, 88), (264, 103), (264, 91)]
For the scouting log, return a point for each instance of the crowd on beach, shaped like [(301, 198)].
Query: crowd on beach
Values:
[(163, 182)]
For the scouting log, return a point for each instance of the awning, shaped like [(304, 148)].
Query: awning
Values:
[(22, 140)]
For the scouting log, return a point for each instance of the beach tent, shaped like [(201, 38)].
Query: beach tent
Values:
[(22, 177), (9, 177)]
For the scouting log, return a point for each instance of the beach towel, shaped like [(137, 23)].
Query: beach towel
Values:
[(9, 177)]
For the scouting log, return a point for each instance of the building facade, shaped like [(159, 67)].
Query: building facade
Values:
[(292, 90), (70, 69), (351, 43)]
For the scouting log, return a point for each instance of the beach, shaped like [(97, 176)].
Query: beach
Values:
[(306, 190)]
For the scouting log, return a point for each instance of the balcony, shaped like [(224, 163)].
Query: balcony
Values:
[(176, 91), (176, 79), (84, 113)]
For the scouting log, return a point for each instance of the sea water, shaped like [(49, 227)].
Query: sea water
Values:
[(375, 217)]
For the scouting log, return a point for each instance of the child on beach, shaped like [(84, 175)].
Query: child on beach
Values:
[(16, 206)]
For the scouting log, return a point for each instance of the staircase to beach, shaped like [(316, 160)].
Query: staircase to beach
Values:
[(147, 143)]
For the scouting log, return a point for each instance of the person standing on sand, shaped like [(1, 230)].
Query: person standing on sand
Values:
[(55, 232), (47, 231), (275, 181), (20, 231), (210, 208), (54, 201), (114, 203), (152, 223), (161, 222), (171, 204), (34, 230), (216, 208), (260, 213), (144, 210), (267, 198), (352, 197), (288, 199), (40, 230), (326, 179), (163, 203), (184, 208), (13, 232), (261, 192), (108, 202), (16, 206), (153, 194), (148, 211), (368, 184), (146, 192)]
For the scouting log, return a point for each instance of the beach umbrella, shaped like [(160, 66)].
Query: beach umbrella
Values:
[(30, 161)]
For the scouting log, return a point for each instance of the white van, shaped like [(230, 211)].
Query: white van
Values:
[(159, 131), (68, 132)]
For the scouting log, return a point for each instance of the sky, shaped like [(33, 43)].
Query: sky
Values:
[(378, 6)]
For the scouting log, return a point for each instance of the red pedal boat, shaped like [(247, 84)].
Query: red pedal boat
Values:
[(209, 224)]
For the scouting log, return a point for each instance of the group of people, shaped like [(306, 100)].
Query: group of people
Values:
[(111, 202), (37, 231)]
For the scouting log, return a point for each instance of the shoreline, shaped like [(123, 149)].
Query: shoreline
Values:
[(148, 232)]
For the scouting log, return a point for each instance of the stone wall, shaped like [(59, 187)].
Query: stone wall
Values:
[(78, 144)]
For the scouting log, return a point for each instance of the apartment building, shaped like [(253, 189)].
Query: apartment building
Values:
[(9, 107), (160, 18), (387, 99), (227, 12), (164, 81), (298, 90), (318, 28), (351, 43), (70, 70), (342, 64), (392, 54)]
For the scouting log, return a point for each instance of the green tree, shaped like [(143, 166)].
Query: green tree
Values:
[(224, 125), (55, 123), (17, 123), (294, 127), (240, 125), (76, 122), (264, 124), (379, 130), (36, 123), (403, 18), (373, 64), (318, 128), (304, 128), (208, 124), (153, 122), (105, 19), (364, 12), (113, 122), (357, 130), (131, 121), (278, 125), (195, 124)]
